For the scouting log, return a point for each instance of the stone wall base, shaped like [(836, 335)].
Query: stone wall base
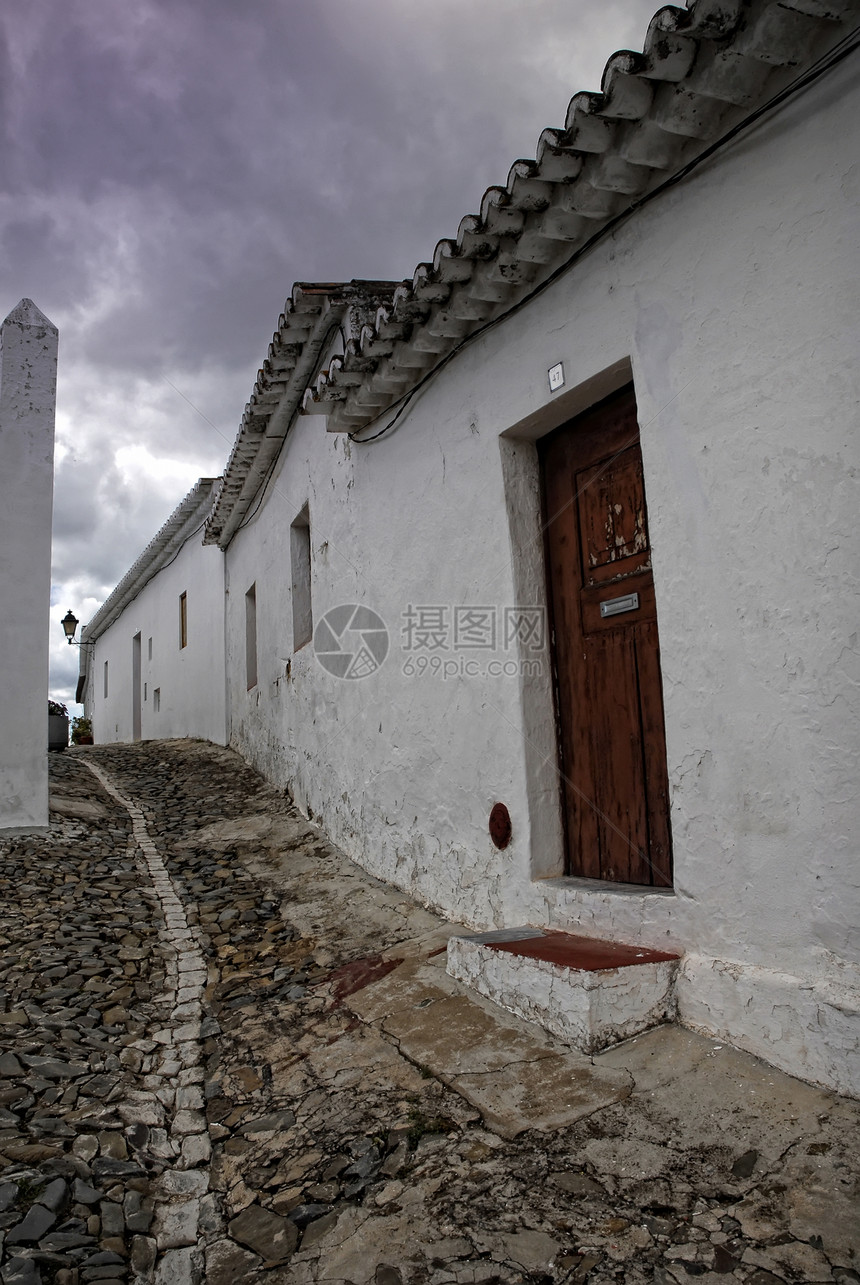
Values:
[(808, 1028)]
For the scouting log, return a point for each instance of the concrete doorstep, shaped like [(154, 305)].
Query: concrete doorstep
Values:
[(589, 993)]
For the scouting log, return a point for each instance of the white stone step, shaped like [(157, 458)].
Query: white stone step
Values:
[(589, 993)]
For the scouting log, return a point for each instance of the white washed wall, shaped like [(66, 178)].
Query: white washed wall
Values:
[(730, 299), (190, 680), (28, 380)]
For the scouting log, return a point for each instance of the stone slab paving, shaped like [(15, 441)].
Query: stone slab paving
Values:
[(229, 1055)]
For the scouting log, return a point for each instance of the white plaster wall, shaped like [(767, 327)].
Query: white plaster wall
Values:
[(190, 679), (732, 298), (28, 378)]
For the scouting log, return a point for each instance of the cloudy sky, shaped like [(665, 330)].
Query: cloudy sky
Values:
[(168, 168)]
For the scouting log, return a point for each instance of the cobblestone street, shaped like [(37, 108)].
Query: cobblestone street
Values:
[(227, 1054)]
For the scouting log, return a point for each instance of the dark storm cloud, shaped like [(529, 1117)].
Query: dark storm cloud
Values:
[(167, 170), (227, 149), (105, 524)]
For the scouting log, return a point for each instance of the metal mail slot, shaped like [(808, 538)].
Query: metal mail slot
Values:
[(615, 606)]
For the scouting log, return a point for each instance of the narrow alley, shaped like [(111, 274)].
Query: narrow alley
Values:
[(229, 1055)]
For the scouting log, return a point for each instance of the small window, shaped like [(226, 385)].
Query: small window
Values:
[(106, 679), (183, 620), (251, 636), (144, 691), (156, 699), (149, 650), (300, 563)]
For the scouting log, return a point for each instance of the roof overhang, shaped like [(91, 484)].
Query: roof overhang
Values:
[(312, 318), (186, 519), (703, 70)]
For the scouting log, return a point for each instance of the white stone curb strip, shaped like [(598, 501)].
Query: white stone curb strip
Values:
[(172, 1105)]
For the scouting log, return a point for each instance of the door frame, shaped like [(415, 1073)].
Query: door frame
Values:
[(522, 493), (624, 654)]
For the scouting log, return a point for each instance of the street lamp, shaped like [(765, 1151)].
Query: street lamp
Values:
[(70, 624)]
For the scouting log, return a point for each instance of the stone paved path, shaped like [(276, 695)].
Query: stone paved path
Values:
[(228, 1055)]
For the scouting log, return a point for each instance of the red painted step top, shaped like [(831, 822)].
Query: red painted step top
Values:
[(588, 954)]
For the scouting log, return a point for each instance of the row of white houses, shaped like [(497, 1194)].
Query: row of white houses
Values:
[(564, 530)]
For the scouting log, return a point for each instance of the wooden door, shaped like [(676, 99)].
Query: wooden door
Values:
[(606, 650)]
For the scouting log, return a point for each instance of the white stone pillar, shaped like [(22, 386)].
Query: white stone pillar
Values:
[(28, 382)]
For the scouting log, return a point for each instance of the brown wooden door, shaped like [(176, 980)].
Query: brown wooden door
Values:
[(607, 666)]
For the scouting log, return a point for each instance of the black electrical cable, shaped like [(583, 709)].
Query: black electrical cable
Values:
[(825, 63), (190, 536)]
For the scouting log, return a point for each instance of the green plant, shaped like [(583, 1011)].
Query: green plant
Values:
[(29, 1190), (82, 728), (56, 708)]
